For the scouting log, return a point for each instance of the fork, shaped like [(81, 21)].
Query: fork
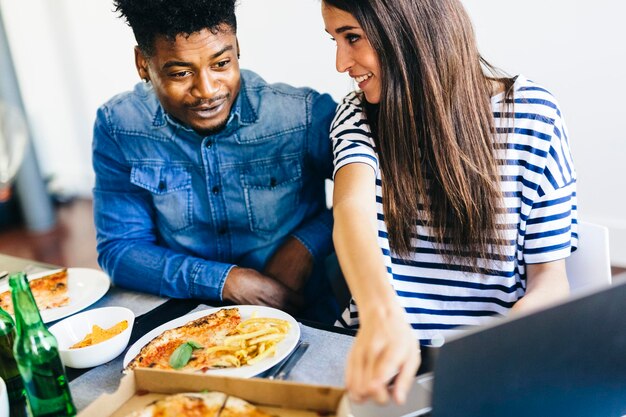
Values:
[(283, 371)]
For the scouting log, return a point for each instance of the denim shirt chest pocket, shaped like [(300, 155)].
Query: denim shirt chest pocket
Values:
[(170, 187), (272, 192)]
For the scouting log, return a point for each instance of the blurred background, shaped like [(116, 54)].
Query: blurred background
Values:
[(70, 56)]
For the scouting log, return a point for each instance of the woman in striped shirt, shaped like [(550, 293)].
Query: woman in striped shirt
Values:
[(455, 187)]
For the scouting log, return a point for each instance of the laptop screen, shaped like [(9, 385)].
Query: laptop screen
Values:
[(568, 360)]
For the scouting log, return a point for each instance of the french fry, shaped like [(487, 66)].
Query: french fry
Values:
[(263, 355), (262, 321), (232, 359), (267, 338), (229, 340)]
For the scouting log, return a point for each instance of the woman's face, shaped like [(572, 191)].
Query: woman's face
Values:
[(355, 55)]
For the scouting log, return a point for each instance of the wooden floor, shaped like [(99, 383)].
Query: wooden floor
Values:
[(72, 242)]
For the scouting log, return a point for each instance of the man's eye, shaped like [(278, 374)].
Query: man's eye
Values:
[(223, 63), (352, 38), (180, 74)]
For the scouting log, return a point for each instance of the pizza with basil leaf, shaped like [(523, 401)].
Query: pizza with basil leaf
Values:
[(174, 348), (218, 340)]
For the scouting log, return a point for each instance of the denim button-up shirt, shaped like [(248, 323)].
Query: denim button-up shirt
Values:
[(175, 211)]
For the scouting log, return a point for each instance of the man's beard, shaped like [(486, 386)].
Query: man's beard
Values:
[(213, 130), (220, 126)]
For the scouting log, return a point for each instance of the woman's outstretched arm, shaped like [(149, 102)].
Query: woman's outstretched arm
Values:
[(385, 345)]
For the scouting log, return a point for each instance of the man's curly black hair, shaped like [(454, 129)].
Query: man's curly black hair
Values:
[(152, 18)]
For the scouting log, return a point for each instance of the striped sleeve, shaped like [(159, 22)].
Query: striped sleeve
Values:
[(351, 137), (551, 227)]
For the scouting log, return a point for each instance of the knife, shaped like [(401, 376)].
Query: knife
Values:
[(283, 371)]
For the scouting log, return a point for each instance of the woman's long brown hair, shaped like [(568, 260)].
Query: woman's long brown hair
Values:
[(433, 126)]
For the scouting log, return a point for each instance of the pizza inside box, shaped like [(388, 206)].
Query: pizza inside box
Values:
[(144, 386)]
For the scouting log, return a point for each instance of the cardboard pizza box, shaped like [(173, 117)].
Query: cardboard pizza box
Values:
[(279, 398)]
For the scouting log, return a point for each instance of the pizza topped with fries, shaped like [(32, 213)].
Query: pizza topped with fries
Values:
[(50, 291), (218, 340)]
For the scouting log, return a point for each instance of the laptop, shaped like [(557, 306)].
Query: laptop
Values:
[(568, 360)]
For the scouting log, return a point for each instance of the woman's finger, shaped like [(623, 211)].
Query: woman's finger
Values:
[(368, 384), (406, 376), (388, 364), (350, 370), (381, 394), (355, 371), (380, 369)]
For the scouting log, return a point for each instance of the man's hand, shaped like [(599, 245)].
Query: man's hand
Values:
[(247, 286), (291, 264)]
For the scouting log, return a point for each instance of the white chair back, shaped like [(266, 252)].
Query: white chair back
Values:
[(590, 265)]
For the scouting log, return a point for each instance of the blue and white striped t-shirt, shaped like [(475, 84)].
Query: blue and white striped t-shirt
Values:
[(539, 216)]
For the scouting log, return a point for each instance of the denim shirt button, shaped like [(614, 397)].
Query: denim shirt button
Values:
[(161, 185), (222, 231), (215, 190), (209, 143)]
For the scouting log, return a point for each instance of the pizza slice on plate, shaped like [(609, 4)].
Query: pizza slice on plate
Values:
[(206, 331), (50, 291)]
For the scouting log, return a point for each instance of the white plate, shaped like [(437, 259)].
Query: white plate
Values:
[(246, 371), (85, 287)]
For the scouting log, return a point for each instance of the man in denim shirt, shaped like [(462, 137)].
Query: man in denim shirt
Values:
[(209, 181)]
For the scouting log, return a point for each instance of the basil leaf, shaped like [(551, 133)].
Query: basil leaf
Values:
[(195, 345), (181, 356)]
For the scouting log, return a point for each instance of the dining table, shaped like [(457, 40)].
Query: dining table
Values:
[(323, 363)]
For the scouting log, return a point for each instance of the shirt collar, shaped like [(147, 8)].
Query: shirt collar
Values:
[(246, 113)]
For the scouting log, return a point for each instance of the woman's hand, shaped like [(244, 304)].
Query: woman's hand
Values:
[(384, 348)]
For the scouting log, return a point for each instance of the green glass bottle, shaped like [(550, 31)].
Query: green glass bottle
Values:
[(37, 355), (8, 367)]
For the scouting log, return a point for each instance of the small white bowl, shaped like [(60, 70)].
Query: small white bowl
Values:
[(74, 329)]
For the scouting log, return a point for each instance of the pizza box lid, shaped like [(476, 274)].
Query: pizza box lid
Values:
[(280, 398)]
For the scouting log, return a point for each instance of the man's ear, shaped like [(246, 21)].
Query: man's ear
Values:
[(238, 49), (141, 63)]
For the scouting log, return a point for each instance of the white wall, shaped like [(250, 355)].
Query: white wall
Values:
[(575, 49), (72, 55), (285, 41)]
